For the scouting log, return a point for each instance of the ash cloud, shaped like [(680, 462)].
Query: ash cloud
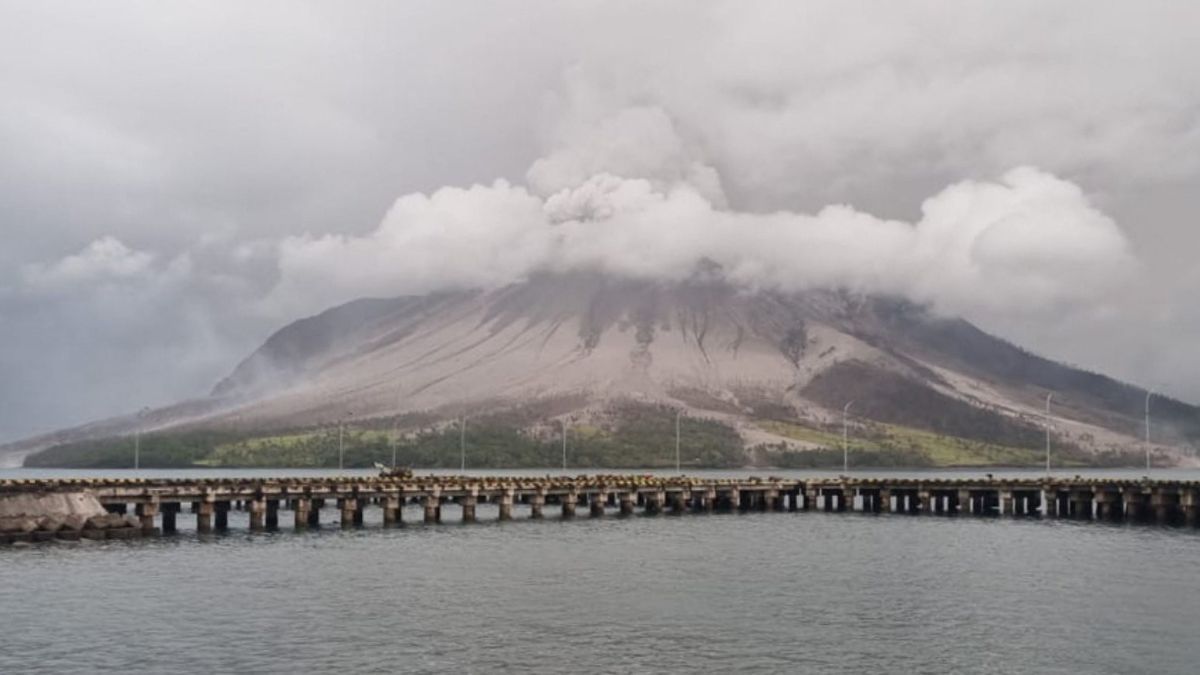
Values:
[(178, 182)]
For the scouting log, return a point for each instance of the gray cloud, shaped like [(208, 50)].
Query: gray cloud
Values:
[(177, 181)]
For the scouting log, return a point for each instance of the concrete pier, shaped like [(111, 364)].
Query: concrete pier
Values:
[(393, 511), (204, 516), (506, 504), (157, 503), (431, 504), (597, 503), (537, 503)]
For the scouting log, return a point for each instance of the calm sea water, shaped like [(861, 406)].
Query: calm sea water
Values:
[(781, 592)]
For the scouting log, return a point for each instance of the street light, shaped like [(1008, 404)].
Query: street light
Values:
[(1048, 397), (396, 430), (342, 441), (462, 445), (846, 438), (563, 421), (677, 415), (1149, 393), (137, 438)]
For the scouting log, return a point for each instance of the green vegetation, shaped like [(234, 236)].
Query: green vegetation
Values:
[(635, 436), (627, 436), (887, 445)]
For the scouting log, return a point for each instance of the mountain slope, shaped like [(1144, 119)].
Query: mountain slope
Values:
[(583, 345)]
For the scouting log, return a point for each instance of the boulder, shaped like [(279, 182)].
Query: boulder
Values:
[(50, 524), (98, 522), (75, 522), (22, 524)]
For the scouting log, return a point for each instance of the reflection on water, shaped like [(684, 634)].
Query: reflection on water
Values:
[(766, 592)]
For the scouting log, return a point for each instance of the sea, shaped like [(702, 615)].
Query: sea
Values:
[(804, 592)]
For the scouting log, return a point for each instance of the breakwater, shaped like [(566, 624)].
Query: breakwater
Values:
[(154, 506)]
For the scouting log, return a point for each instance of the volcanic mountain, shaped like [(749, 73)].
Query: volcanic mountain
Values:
[(776, 368)]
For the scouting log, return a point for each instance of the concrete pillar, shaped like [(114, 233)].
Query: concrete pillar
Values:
[(678, 502), (146, 513), (847, 499), (468, 503), (569, 500), (1161, 501), (391, 509), (1132, 498), (169, 511), (770, 499), (962, 504), (300, 512), (735, 499), (710, 499), (1189, 502), (1006, 502), (204, 516), (810, 497), (923, 497), (655, 501), (537, 503), (885, 500), (506, 504), (597, 503), (431, 504), (350, 511), (258, 515)]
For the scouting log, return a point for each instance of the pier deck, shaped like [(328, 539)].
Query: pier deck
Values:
[(158, 502)]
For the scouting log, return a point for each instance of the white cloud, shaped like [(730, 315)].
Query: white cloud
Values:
[(227, 180), (104, 260)]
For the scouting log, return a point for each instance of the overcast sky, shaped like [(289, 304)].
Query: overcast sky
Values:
[(177, 180)]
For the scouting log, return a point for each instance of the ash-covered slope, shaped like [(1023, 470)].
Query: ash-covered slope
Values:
[(701, 344), (573, 344)]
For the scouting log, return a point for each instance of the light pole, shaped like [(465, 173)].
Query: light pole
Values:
[(564, 443), (462, 444), (846, 438), (395, 440), (678, 413), (1048, 397), (342, 441), (1149, 393), (396, 431), (137, 438)]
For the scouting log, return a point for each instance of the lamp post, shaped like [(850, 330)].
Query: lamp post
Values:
[(564, 443), (846, 437), (342, 441), (678, 413), (1048, 397), (395, 440), (1149, 393), (396, 431), (137, 438), (462, 444)]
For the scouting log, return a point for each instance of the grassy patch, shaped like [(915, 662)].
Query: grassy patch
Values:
[(895, 445)]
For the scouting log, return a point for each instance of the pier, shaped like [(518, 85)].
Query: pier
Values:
[(155, 506)]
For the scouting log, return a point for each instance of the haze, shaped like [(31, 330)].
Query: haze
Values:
[(176, 182)]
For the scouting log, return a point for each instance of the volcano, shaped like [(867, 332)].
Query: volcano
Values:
[(779, 369)]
